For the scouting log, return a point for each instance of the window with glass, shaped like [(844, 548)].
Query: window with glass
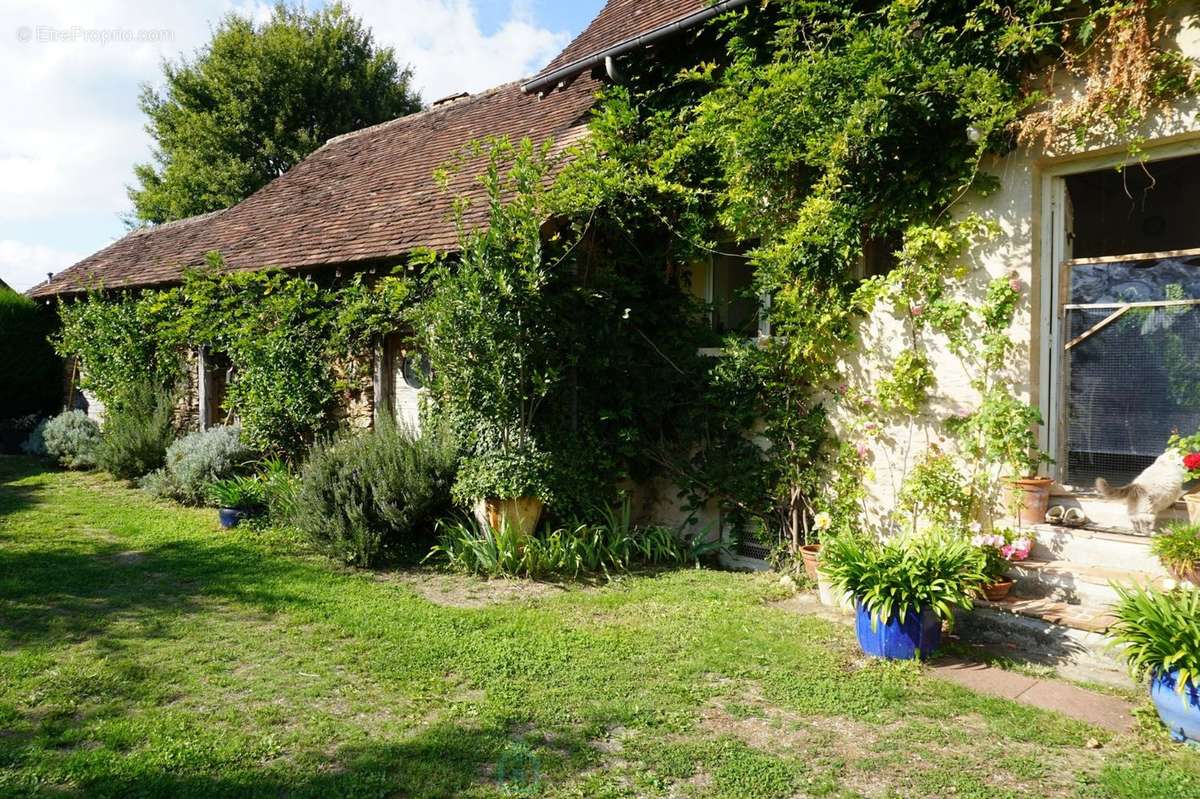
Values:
[(1128, 293), (725, 284)]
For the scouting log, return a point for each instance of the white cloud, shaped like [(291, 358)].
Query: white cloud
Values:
[(70, 71), (23, 265), (449, 53)]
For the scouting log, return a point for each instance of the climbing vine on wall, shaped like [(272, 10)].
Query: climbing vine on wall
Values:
[(810, 131), (813, 130), (283, 334), (1119, 73)]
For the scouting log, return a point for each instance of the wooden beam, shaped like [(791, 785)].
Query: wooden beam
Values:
[(1096, 328)]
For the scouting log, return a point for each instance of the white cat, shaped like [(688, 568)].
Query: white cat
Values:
[(1154, 490)]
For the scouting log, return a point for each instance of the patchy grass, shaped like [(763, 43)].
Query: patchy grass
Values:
[(143, 652)]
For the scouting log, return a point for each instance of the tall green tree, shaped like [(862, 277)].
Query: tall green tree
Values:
[(255, 101)]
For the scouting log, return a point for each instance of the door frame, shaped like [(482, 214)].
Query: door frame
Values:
[(1051, 195)]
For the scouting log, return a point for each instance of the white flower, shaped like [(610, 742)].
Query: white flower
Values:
[(626, 314), (822, 520), (787, 582), (975, 527), (1187, 585), (1169, 584)]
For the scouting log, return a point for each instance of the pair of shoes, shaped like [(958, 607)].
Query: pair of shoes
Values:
[(1070, 517)]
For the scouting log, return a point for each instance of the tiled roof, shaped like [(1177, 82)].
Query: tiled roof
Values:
[(362, 197), (620, 20)]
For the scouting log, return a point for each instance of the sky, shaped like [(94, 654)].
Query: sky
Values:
[(70, 74)]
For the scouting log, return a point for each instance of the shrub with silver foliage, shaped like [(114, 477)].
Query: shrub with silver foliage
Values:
[(195, 461), (71, 438)]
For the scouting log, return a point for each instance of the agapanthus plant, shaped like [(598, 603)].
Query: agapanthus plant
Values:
[(1002, 548)]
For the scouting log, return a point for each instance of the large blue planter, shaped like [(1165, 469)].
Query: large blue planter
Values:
[(917, 635), (230, 517), (1180, 712)]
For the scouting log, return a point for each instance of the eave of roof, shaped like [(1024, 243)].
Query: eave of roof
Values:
[(555, 76)]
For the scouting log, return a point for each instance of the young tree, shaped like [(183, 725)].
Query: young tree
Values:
[(255, 101)]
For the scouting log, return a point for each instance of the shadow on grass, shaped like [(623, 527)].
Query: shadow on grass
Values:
[(91, 588), (13, 497), (52, 595), (442, 760)]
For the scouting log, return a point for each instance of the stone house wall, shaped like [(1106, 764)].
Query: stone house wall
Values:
[(1021, 211)]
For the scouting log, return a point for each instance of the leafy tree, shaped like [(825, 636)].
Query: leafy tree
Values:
[(255, 101)]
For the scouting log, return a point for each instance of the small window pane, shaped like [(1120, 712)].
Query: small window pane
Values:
[(735, 308)]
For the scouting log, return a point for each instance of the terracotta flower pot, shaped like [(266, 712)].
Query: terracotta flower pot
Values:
[(1191, 574), (808, 553), (519, 513), (1031, 498), (1192, 500), (998, 590)]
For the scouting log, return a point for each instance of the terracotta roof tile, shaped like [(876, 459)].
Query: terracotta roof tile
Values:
[(620, 20), (364, 196)]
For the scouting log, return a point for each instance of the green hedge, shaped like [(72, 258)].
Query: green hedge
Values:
[(27, 360)]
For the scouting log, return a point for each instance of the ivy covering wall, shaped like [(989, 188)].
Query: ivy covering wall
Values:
[(815, 129), (282, 332)]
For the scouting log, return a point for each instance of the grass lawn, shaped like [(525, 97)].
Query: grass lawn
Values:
[(145, 653)]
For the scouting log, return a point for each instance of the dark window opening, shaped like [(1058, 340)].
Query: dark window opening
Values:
[(879, 254), (1131, 317), (724, 284), (1141, 208), (217, 373)]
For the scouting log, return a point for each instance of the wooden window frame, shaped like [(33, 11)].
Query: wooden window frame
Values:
[(1050, 270)]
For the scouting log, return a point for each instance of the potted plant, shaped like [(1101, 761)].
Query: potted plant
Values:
[(1000, 550), (810, 551), (236, 498), (1178, 548), (1188, 448), (505, 488), (904, 588), (1159, 636), (1006, 427)]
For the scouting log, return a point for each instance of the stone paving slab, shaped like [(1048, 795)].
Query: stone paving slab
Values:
[(1101, 710)]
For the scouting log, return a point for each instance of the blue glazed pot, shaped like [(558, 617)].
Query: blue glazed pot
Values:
[(1180, 712), (230, 517), (917, 635)]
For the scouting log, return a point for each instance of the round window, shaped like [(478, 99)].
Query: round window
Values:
[(416, 370)]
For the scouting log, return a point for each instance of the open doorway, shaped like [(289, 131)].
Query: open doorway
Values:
[(1128, 295)]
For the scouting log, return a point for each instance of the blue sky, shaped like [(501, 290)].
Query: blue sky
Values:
[(70, 72)]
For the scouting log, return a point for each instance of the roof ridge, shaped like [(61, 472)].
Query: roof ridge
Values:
[(425, 112), (187, 220)]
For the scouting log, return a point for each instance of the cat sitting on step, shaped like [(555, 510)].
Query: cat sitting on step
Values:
[(1154, 490)]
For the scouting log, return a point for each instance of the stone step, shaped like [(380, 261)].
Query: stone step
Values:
[(1078, 583), (1112, 514), (1124, 551), (1068, 638), (1087, 618)]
